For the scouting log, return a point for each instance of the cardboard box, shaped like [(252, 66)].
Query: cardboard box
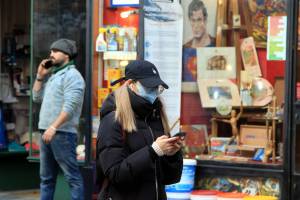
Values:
[(254, 136)]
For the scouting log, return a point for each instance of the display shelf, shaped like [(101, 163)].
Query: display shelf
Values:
[(120, 55), (233, 167)]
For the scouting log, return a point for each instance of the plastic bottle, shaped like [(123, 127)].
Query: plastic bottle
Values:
[(112, 42), (127, 46), (101, 45), (120, 39), (134, 40)]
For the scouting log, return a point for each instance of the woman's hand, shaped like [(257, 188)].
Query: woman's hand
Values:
[(175, 147), (169, 146)]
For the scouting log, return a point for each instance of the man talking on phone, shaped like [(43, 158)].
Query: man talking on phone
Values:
[(60, 88)]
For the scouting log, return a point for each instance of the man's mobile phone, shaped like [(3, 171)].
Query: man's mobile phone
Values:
[(180, 134), (48, 64)]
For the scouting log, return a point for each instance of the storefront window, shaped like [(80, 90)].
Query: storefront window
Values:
[(53, 20), (225, 63)]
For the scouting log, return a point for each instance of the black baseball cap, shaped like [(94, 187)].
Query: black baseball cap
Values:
[(143, 71)]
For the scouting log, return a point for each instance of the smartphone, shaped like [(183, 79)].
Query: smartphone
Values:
[(48, 64), (179, 134)]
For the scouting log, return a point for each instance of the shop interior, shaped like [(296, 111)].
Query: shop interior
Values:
[(14, 96)]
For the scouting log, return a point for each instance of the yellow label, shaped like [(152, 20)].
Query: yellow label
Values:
[(102, 94), (113, 75)]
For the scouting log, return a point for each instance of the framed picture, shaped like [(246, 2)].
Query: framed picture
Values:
[(216, 63), (214, 92), (249, 57), (196, 139), (199, 23), (254, 136), (257, 17)]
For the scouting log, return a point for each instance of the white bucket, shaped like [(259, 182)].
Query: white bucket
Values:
[(183, 189)]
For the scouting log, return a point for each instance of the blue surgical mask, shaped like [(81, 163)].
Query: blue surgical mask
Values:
[(150, 94)]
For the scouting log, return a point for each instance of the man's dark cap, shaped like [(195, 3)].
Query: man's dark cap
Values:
[(66, 46), (143, 71)]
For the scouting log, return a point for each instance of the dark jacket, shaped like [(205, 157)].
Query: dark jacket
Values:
[(133, 169)]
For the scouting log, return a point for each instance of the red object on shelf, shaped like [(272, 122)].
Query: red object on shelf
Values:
[(204, 192), (35, 147)]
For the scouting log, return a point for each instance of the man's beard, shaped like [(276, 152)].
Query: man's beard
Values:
[(58, 62)]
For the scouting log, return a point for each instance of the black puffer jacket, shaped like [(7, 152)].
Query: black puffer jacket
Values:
[(133, 169)]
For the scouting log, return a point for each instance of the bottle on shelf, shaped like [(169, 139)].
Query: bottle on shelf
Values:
[(120, 39), (134, 40), (112, 40), (101, 45), (127, 42)]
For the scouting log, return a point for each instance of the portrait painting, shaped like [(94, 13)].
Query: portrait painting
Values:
[(199, 30), (199, 23)]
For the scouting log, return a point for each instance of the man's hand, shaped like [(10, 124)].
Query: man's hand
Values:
[(48, 134), (42, 71)]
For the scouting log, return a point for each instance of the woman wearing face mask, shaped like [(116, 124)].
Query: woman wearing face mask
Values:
[(135, 155)]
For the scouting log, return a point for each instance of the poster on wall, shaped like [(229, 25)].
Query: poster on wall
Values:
[(199, 30), (163, 47), (277, 30)]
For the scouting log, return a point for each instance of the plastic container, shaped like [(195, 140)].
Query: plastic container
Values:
[(204, 195), (101, 45), (260, 198), (231, 196), (183, 189)]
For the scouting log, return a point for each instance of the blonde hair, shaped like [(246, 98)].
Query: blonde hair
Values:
[(125, 115)]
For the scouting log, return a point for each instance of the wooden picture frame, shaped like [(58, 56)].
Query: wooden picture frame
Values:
[(254, 136), (216, 63), (212, 90)]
